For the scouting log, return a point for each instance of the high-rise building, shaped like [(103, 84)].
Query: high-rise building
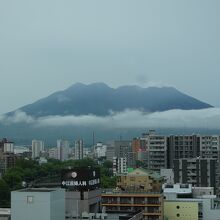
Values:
[(100, 150), (123, 149), (195, 171), (7, 161), (9, 147), (119, 165), (37, 148), (209, 146), (156, 149), (62, 150), (182, 146), (53, 153), (79, 150), (110, 151)]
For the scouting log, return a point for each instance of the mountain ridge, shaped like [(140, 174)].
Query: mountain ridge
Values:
[(100, 99)]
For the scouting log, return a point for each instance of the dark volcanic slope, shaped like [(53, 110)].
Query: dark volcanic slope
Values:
[(99, 99)]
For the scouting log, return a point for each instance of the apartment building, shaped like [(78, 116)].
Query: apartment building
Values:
[(79, 151), (123, 149), (138, 190), (127, 202), (63, 150), (37, 148), (156, 148), (8, 160), (182, 146), (140, 180), (119, 165), (196, 171)]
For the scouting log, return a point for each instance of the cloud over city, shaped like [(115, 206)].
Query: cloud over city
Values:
[(206, 118)]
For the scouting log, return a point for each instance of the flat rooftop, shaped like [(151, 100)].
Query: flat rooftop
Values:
[(37, 190)]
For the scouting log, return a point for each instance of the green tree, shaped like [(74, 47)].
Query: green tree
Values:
[(4, 194)]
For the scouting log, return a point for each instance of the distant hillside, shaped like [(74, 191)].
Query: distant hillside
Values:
[(99, 99)]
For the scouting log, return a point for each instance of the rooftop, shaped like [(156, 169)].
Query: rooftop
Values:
[(144, 172), (36, 190)]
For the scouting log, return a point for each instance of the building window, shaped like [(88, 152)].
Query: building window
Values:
[(177, 207), (30, 199), (132, 179), (178, 215)]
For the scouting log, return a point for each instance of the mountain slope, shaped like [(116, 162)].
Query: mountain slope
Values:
[(100, 99)]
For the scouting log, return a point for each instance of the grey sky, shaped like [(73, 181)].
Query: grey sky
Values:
[(47, 45)]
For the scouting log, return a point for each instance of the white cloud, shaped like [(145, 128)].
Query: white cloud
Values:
[(17, 117), (206, 118)]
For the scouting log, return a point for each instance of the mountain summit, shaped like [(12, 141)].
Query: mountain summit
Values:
[(100, 99)]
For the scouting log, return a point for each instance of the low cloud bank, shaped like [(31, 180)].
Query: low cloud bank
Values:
[(205, 118)]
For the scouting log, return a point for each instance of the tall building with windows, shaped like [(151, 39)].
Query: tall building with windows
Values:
[(209, 146), (9, 147), (62, 150), (119, 165), (37, 148), (123, 149), (182, 146), (195, 171), (156, 151), (53, 153), (79, 153)]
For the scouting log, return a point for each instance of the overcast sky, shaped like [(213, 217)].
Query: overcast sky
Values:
[(47, 45)]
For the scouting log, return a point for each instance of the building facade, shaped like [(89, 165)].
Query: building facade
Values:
[(62, 150), (140, 180), (182, 146), (123, 149), (119, 165), (78, 151), (127, 202), (38, 203), (196, 171), (156, 148), (37, 148)]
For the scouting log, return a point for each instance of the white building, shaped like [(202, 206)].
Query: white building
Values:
[(37, 148), (78, 151), (119, 165), (39, 203), (100, 150), (9, 147), (63, 150)]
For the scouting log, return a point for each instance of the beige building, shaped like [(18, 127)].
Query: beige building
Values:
[(180, 210), (139, 190), (128, 202), (140, 180)]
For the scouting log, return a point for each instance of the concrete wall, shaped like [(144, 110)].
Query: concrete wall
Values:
[(210, 212), (57, 205), (44, 205), (77, 202)]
